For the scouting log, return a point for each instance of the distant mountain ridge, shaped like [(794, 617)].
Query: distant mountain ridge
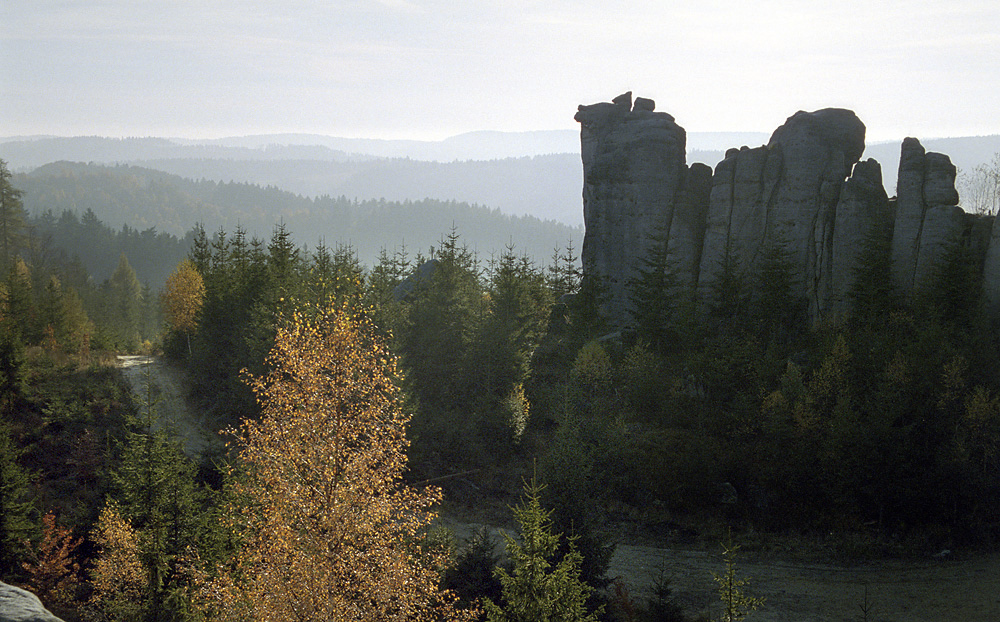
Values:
[(33, 151), (145, 199), (520, 173)]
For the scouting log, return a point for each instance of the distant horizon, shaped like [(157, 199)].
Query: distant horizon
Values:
[(197, 139)]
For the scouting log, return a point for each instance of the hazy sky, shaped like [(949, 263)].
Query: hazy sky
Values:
[(431, 69)]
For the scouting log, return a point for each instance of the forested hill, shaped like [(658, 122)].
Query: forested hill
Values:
[(545, 186), (144, 198)]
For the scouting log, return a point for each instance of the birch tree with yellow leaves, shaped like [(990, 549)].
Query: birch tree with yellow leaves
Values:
[(182, 298), (329, 529)]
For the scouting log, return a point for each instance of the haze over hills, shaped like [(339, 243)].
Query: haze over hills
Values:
[(148, 200), (33, 151), (519, 173)]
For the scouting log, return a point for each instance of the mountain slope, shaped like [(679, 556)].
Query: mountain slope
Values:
[(144, 198)]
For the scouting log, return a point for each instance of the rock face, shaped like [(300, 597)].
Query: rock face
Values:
[(991, 268), (17, 605), (927, 216), (807, 190), (634, 169), (787, 193)]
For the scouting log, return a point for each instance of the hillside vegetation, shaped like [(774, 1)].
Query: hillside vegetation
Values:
[(150, 200), (875, 435)]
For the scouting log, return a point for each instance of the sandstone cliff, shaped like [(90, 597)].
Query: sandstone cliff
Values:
[(806, 190)]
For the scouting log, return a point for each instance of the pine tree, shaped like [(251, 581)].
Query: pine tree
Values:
[(653, 292), (538, 588), (15, 506), (12, 219), (157, 495), (736, 604)]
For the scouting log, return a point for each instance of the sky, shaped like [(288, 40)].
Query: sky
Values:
[(431, 69)]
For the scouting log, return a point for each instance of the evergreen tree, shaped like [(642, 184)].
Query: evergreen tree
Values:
[(872, 294), (653, 293), (12, 376), (21, 312), (124, 306), (471, 576), (157, 495), (586, 308), (777, 312), (443, 317), (12, 219), (518, 305), (563, 274), (15, 506), (538, 588), (951, 293), (729, 293), (201, 252), (737, 605), (380, 294)]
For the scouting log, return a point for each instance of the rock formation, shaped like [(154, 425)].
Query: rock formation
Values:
[(806, 190), (927, 216), (17, 605), (634, 168)]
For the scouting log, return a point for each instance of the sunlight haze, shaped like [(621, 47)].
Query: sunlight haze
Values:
[(432, 69)]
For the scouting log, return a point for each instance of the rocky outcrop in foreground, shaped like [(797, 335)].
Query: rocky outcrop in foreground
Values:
[(17, 605), (807, 190)]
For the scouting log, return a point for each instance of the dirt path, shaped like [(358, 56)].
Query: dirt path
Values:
[(897, 591), (932, 591), (172, 411)]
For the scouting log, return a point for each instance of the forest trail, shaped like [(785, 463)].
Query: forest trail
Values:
[(172, 409), (897, 591), (931, 590)]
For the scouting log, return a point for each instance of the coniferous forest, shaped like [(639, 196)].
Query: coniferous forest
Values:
[(358, 398)]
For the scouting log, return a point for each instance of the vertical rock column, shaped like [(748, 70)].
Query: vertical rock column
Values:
[(863, 206), (633, 169), (785, 193), (927, 216)]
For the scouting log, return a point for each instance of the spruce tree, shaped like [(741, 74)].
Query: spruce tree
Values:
[(158, 496), (872, 294), (12, 219), (15, 506), (653, 293), (775, 308), (563, 274), (443, 318), (124, 310), (538, 588)]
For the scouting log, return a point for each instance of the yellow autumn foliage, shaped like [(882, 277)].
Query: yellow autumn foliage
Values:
[(330, 530), (182, 297)]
